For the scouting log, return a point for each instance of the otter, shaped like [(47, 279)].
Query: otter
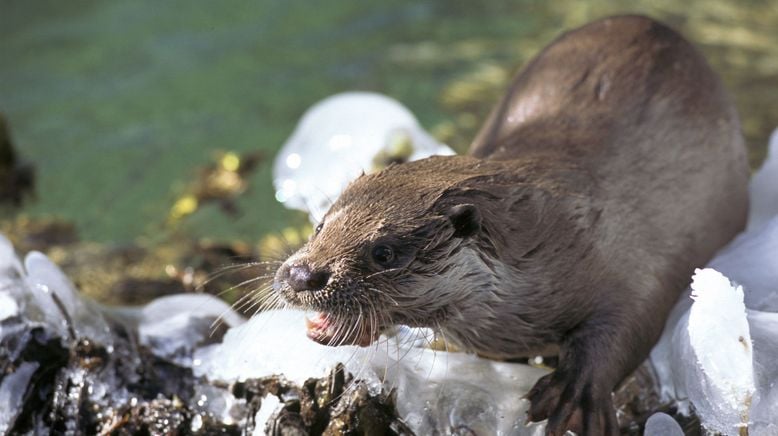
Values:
[(613, 166)]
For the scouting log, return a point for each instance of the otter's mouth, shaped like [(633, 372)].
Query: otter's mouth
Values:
[(329, 330)]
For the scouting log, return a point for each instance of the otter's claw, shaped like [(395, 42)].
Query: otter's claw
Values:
[(572, 401)]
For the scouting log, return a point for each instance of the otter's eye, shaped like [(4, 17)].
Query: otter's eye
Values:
[(383, 255), (318, 228)]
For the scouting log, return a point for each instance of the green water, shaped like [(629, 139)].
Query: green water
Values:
[(118, 103)]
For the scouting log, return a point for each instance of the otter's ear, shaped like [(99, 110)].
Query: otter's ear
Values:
[(466, 220)]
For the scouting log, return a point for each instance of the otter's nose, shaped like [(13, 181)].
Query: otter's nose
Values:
[(301, 278)]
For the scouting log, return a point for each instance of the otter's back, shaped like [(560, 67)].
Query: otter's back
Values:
[(634, 106)]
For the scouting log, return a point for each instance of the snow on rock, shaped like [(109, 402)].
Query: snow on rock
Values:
[(338, 139)]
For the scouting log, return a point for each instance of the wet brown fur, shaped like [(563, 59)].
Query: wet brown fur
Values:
[(612, 168)]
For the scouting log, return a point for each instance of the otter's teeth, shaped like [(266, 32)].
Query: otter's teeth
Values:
[(315, 321), (322, 330), (310, 324)]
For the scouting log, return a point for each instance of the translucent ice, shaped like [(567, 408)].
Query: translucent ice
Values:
[(764, 187), (13, 290), (751, 261), (338, 139), (715, 359), (764, 412), (9, 263), (719, 351), (8, 306), (436, 391), (662, 424), (725, 368), (173, 326), (274, 342), (12, 389), (59, 305), (441, 391), (68, 362)]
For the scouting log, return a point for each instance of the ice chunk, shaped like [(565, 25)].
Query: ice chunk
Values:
[(173, 326), (269, 405), (441, 391), (274, 342), (716, 374), (59, 304), (751, 260), (61, 354), (338, 139), (436, 391), (217, 402), (717, 364), (9, 263), (662, 424), (11, 292), (764, 188), (764, 411), (8, 306), (663, 356), (12, 389)]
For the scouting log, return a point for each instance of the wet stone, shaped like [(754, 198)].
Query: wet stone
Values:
[(333, 405), (361, 413), (287, 422), (17, 178), (636, 399)]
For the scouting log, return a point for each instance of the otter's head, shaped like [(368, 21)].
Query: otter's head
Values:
[(380, 255)]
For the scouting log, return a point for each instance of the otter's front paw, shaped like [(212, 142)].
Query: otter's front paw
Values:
[(571, 400)]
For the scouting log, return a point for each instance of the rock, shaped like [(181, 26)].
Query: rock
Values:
[(17, 179)]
